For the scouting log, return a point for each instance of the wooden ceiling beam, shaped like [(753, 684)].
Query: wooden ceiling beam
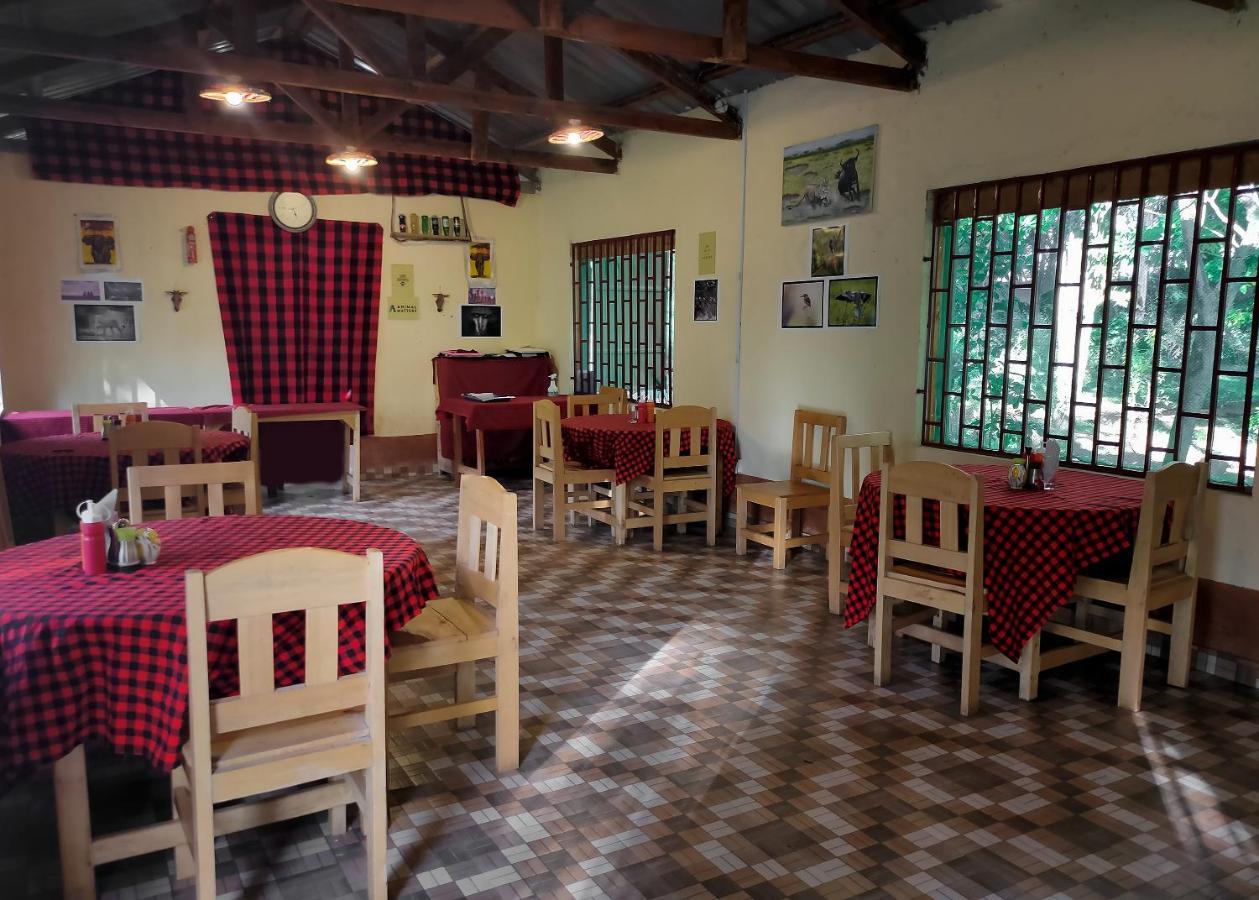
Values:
[(623, 35), (734, 31), (475, 47), (192, 60), (282, 132), (890, 27), (308, 103), (553, 64), (681, 82)]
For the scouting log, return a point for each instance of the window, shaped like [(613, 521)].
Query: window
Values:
[(623, 315), (1111, 309)]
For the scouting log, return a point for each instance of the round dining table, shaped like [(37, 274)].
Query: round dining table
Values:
[(56, 472), (1035, 544), (612, 441), (102, 659)]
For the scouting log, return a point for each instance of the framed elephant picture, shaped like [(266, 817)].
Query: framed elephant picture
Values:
[(96, 243)]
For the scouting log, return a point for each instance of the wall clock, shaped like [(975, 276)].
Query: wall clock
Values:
[(293, 211)]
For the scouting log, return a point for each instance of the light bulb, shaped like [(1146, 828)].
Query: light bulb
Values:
[(573, 137), (351, 165), (234, 98)]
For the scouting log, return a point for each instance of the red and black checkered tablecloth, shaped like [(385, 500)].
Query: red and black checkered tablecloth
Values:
[(614, 442), (104, 658), (1035, 544), (59, 471)]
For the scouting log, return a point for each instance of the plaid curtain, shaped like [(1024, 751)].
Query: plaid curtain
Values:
[(300, 311), (98, 154)]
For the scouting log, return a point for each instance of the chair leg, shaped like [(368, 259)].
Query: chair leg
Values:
[(1081, 616), (336, 819), (465, 690), (937, 652), (972, 634), (1132, 656), (713, 507), (620, 497), (185, 868), (74, 826), (881, 632), (559, 511), (659, 500), (740, 523), (1181, 652), (507, 707), (1029, 669), (203, 836), (376, 830), (782, 524), (539, 502)]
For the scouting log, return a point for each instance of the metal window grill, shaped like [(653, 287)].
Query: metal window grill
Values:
[(623, 315), (1109, 308)]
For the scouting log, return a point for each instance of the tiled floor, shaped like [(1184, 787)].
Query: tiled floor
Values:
[(697, 725)]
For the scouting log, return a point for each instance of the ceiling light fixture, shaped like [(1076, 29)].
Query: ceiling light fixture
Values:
[(234, 93), (575, 133), (351, 159)]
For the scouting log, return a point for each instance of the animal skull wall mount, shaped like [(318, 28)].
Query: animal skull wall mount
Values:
[(176, 298), (440, 300)]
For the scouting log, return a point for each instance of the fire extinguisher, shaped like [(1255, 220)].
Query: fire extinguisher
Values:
[(190, 245)]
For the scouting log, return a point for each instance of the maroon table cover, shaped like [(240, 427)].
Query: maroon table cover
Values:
[(21, 426), (57, 472), (1035, 544), (612, 441), (302, 452), (104, 658), (524, 376), (499, 415)]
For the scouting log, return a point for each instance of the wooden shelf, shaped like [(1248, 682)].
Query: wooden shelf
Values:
[(432, 238)]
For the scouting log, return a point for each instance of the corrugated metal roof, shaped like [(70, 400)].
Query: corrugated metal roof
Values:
[(593, 74)]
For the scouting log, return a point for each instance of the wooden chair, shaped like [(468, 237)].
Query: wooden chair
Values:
[(1163, 572), (6, 520), (99, 410), (808, 488), (459, 630), (268, 739), (924, 578), (245, 422), (211, 480), (608, 401), (853, 457), (139, 441), (572, 486), (678, 471)]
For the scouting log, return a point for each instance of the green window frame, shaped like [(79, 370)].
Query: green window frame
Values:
[(1111, 309)]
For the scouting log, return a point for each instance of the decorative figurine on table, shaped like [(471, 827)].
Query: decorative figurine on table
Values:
[(553, 387)]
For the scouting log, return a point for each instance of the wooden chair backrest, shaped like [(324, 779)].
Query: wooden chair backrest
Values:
[(98, 410), (143, 438), (585, 405), (614, 399), (690, 420), (811, 435), (952, 489), (486, 562), (209, 480), (1181, 486), (548, 435), (250, 592), (853, 457), (6, 521)]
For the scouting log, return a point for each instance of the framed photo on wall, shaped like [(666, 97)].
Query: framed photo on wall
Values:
[(828, 248), (480, 321), (829, 177), (853, 302), (80, 290), (101, 323), (96, 242), (123, 290), (482, 263), (705, 300), (801, 303)]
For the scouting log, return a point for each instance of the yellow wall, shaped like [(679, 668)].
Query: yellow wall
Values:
[(180, 359), (691, 186)]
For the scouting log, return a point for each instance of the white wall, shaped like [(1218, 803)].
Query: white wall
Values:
[(181, 359)]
